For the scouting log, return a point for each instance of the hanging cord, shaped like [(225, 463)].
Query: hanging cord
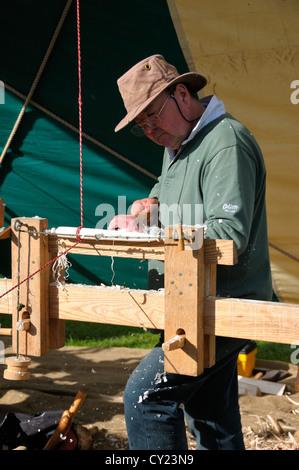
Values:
[(80, 117), (289, 255)]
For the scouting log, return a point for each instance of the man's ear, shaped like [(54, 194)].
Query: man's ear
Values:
[(182, 94)]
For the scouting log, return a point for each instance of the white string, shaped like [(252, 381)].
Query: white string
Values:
[(112, 269), (61, 267)]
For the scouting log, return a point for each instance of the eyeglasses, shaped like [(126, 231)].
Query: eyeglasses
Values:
[(151, 122)]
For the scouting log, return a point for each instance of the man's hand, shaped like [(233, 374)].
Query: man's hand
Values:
[(147, 205), (143, 212), (128, 222)]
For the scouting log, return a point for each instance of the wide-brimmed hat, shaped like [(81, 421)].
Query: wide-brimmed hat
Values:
[(146, 80)]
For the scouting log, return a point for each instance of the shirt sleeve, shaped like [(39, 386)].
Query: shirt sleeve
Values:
[(155, 191), (229, 186)]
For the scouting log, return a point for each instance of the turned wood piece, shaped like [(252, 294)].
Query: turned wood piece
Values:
[(17, 368)]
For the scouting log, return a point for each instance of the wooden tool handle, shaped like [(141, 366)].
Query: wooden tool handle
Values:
[(79, 399), (61, 430), (65, 422)]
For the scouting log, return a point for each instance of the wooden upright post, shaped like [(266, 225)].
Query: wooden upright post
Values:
[(31, 298), (56, 326), (210, 340), (184, 305)]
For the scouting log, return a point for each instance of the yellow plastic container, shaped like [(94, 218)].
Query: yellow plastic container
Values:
[(246, 359)]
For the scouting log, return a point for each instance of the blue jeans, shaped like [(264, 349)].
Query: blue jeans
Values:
[(157, 403)]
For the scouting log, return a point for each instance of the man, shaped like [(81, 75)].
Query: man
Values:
[(212, 160)]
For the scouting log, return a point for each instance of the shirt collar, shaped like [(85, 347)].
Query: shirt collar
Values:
[(214, 109)]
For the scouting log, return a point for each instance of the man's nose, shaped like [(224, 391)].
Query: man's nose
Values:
[(149, 129)]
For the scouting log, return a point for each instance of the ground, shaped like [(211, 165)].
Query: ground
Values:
[(56, 378)]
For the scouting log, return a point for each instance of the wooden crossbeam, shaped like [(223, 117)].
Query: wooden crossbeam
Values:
[(215, 251), (6, 304), (264, 321), (235, 318), (254, 319), (120, 248), (97, 304)]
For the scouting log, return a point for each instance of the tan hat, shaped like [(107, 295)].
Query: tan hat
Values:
[(146, 80)]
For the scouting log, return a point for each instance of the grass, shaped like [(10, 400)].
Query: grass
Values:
[(104, 336), (274, 351)]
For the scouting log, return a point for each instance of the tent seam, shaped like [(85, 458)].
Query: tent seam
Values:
[(86, 136)]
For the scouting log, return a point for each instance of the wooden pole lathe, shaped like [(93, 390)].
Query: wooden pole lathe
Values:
[(188, 309)]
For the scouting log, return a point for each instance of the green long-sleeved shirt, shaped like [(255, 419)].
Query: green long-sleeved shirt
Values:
[(222, 169)]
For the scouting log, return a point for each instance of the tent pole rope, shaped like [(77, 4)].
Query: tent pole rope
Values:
[(86, 136), (36, 80), (80, 116), (283, 252)]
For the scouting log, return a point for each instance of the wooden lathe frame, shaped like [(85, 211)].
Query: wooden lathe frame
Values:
[(187, 307)]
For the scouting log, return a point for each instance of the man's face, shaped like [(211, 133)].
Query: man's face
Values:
[(172, 129)]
